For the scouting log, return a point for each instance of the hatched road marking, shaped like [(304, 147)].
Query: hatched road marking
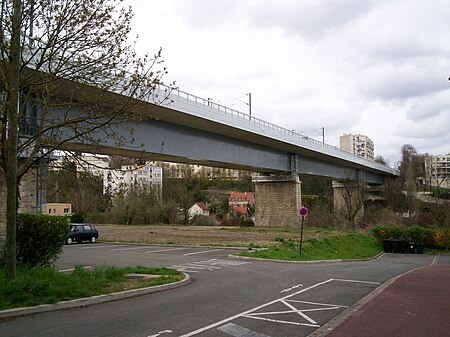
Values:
[(255, 313), (212, 264), (239, 331)]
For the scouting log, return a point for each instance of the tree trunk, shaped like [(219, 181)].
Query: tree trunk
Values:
[(11, 165)]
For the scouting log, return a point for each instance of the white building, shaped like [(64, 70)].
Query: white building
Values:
[(146, 176), (359, 145), (177, 170), (90, 163), (199, 208), (437, 170), (93, 164)]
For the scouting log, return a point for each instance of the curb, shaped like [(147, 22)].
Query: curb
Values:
[(83, 302), (376, 257)]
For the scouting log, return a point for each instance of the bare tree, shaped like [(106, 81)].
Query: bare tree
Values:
[(380, 159), (352, 199), (411, 167), (67, 72)]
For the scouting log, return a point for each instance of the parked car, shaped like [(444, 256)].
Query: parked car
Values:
[(82, 232)]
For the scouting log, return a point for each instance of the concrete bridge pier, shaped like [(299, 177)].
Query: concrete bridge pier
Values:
[(277, 200)]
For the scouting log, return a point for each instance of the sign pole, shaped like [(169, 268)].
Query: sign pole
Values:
[(303, 212), (301, 234)]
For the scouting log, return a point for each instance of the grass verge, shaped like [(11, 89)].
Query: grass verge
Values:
[(46, 285), (350, 246)]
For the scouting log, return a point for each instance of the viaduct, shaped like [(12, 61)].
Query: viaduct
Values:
[(188, 129)]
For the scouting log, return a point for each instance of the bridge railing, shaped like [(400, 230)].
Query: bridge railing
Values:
[(178, 96), (177, 99)]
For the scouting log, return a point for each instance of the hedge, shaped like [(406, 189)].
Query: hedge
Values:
[(431, 238)]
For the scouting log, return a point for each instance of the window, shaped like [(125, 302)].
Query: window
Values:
[(50, 211), (66, 210)]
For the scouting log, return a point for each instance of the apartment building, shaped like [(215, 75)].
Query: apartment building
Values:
[(94, 164), (147, 176), (359, 145), (437, 170)]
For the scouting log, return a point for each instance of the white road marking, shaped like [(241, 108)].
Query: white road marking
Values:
[(291, 288), (282, 322), (226, 320), (435, 259), (212, 264), (184, 269), (129, 248), (253, 314), (355, 281), (162, 250), (72, 269), (102, 246), (324, 304), (239, 331), (160, 333), (203, 252)]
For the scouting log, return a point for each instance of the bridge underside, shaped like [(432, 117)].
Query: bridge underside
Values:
[(163, 141)]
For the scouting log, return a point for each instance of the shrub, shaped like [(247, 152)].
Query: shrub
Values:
[(248, 223), (441, 238), (77, 217), (431, 238), (40, 238), (417, 233)]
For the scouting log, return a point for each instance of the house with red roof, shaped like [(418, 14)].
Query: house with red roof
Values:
[(240, 202), (199, 208)]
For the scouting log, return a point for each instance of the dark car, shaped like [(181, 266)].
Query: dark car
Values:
[(82, 232)]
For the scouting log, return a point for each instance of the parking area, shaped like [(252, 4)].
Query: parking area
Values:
[(185, 259), (296, 314), (227, 297)]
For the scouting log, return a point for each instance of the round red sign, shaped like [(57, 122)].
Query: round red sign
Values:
[(303, 211)]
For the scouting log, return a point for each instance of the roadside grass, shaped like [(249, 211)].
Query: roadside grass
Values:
[(37, 286), (436, 251), (349, 246)]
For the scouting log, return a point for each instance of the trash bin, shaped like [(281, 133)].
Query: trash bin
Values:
[(403, 246), (395, 246), (387, 246), (411, 247), (419, 247)]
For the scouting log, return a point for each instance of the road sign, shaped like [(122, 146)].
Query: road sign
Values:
[(303, 211)]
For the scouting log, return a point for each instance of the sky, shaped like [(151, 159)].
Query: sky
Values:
[(379, 68)]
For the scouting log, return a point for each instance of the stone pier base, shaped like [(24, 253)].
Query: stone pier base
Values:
[(277, 201), (32, 194)]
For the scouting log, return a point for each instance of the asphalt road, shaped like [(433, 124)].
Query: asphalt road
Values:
[(227, 297)]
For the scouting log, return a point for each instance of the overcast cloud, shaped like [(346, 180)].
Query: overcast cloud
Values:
[(378, 68)]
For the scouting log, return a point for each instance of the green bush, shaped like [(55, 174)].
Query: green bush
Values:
[(441, 238), (40, 238), (77, 217), (248, 223), (431, 238)]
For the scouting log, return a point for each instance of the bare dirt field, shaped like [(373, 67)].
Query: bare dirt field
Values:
[(207, 235)]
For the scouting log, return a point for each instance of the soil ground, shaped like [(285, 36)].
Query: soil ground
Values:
[(208, 235)]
